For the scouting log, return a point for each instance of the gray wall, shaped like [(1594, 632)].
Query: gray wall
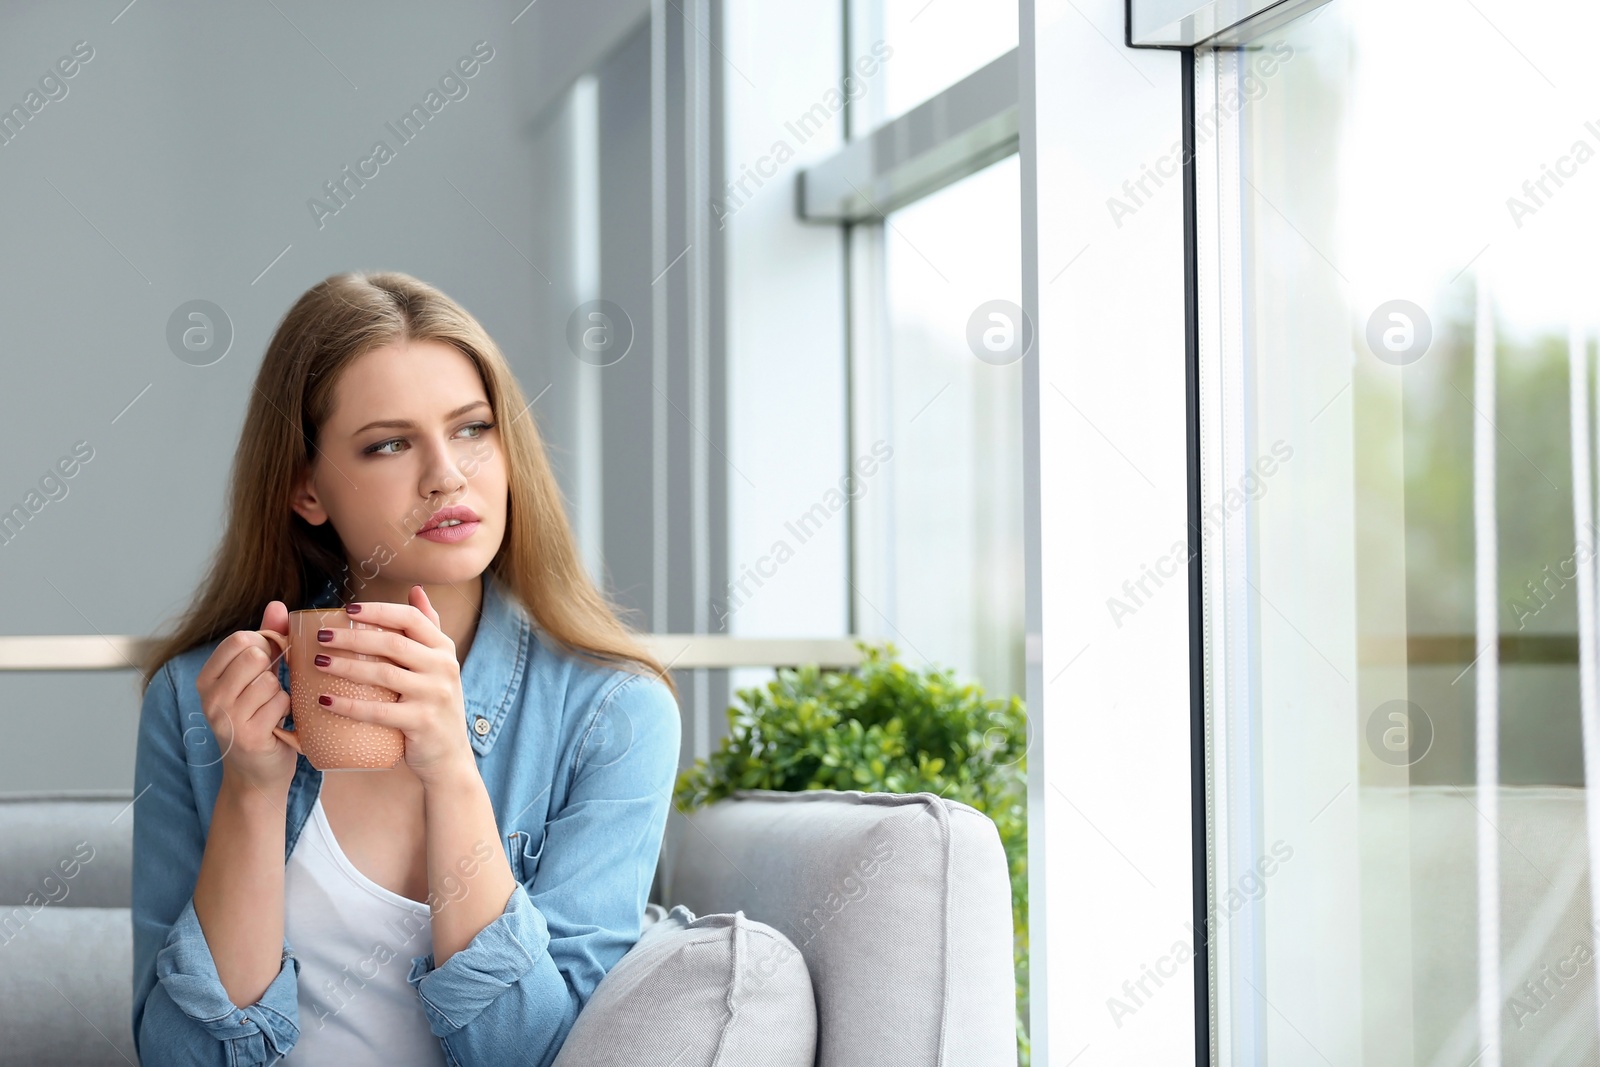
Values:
[(177, 167)]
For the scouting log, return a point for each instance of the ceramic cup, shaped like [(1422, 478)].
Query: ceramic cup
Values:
[(330, 741)]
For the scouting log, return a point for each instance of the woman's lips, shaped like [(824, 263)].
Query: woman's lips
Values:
[(449, 535)]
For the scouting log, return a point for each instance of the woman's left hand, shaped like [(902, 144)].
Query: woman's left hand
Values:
[(422, 668)]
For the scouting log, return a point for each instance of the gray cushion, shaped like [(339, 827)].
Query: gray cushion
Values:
[(66, 987), (73, 849), (714, 991), (66, 935), (900, 903)]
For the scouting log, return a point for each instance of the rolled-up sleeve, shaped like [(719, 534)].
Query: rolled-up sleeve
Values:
[(513, 993), (181, 1011)]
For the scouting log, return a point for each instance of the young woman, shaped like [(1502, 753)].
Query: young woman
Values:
[(461, 906)]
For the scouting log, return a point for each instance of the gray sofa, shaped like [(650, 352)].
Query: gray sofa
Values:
[(910, 965)]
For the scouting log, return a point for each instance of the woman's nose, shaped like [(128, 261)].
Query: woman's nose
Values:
[(444, 477)]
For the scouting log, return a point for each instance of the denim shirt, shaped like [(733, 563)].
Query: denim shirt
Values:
[(579, 762)]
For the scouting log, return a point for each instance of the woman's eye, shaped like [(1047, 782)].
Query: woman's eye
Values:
[(383, 447)]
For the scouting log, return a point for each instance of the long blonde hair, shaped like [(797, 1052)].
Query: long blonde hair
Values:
[(269, 552)]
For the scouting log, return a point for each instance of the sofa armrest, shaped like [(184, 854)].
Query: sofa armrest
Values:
[(899, 903)]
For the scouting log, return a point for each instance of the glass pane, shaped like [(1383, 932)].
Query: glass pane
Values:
[(927, 46), (940, 565), (1399, 550)]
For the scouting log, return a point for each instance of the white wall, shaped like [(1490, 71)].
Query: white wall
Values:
[(1109, 810)]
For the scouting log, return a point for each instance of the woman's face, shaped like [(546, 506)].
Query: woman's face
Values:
[(411, 433)]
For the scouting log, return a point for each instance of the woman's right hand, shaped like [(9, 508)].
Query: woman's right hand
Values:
[(244, 702)]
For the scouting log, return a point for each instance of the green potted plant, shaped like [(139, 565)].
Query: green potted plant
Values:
[(884, 727)]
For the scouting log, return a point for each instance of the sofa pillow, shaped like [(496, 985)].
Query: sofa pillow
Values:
[(715, 991), (66, 991)]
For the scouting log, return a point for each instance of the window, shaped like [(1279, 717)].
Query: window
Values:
[(934, 43), (936, 551), (939, 542), (1397, 395)]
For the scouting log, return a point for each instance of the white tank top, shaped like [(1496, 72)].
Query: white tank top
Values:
[(354, 940)]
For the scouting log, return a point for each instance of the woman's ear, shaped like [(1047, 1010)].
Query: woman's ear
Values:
[(305, 503)]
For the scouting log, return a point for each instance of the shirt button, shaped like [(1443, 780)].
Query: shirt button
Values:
[(480, 726)]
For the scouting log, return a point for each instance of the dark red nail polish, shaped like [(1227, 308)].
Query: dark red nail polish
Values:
[(321, 660), (324, 635), (325, 700), (352, 609)]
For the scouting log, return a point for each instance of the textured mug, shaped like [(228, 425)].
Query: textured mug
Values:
[(329, 740)]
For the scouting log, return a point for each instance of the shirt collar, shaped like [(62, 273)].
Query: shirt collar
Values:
[(494, 667)]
